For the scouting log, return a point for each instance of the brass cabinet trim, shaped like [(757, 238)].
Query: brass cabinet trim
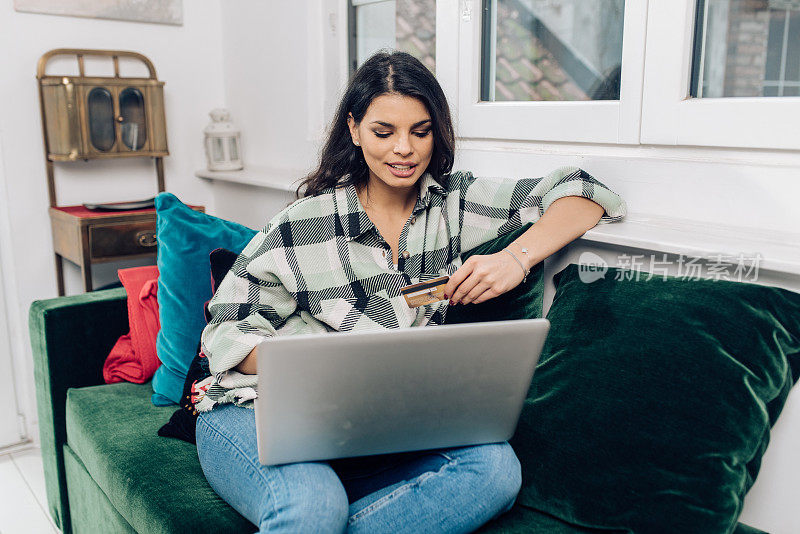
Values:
[(49, 81), (137, 154), (81, 52)]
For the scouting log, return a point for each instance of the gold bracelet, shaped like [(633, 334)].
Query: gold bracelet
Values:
[(525, 271)]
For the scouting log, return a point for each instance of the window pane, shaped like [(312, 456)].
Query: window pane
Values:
[(407, 25), (551, 50), (746, 48)]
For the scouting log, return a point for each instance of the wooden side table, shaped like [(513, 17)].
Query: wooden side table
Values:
[(86, 237)]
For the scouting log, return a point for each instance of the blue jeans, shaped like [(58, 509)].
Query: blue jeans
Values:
[(445, 490)]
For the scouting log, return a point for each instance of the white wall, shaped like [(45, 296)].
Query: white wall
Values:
[(9, 431), (267, 80), (188, 58), (281, 89)]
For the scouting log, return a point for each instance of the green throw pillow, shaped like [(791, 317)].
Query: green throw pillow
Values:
[(653, 400), (522, 302)]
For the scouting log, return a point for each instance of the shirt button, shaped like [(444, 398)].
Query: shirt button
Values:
[(406, 254)]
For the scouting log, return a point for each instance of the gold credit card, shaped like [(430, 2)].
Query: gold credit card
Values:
[(423, 293)]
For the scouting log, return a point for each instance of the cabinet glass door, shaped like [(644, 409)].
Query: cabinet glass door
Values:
[(100, 112), (132, 127)]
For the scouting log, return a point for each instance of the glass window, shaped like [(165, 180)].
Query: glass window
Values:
[(552, 50), (407, 25), (746, 48)]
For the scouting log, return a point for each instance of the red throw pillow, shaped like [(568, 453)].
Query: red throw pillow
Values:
[(133, 357)]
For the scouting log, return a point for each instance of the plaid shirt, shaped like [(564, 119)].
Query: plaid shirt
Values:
[(321, 265)]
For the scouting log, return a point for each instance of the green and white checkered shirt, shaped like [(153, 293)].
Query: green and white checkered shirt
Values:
[(321, 265)]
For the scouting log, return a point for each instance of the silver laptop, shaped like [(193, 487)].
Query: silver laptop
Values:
[(344, 394)]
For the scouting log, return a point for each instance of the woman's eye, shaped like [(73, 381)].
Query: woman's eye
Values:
[(385, 135)]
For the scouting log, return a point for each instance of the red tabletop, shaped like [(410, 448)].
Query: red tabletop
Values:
[(83, 213)]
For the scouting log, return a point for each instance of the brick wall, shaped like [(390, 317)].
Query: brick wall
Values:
[(415, 29), (748, 33)]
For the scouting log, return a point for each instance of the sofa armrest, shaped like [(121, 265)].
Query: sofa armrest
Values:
[(70, 337)]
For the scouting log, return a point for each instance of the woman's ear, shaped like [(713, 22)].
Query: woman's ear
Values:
[(351, 123)]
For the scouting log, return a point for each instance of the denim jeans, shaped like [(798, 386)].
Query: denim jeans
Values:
[(443, 490)]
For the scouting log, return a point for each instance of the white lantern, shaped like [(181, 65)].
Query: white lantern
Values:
[(223, 142)]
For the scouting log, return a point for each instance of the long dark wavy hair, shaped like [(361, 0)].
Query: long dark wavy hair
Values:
[(386, 72)]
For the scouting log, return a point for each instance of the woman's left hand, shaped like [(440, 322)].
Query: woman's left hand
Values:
[(481, 278)]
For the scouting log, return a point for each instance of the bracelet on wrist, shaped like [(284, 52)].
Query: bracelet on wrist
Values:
[(525, 271), (525, 251)]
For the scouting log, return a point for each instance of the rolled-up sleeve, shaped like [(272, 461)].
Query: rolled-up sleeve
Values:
[(492, 207), (575, 182)]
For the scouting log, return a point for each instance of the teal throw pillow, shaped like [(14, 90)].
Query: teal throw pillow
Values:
[(652, 403), (522, 302), (185, 239)]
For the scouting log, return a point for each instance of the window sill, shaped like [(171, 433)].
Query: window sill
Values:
[(780, 251), (267, 177)]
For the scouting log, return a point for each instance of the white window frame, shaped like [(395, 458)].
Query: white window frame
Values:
[(592, 122), (654, 106), (671, 117)]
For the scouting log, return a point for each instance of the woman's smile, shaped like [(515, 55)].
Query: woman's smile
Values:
[(402, 170)]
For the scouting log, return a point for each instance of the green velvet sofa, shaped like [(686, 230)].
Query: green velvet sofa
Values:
[(106, 469)]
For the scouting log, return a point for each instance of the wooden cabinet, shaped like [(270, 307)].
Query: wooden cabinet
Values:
[(96, 117), (88, 117)]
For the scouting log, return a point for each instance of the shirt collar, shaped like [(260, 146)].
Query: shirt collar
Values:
[(427, 186), (354, 220)]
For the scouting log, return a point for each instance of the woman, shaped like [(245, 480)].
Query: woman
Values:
[(382, 211)]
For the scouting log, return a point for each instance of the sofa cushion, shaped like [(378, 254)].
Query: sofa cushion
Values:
[(185, 239), (652, 403), (156, 484)]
